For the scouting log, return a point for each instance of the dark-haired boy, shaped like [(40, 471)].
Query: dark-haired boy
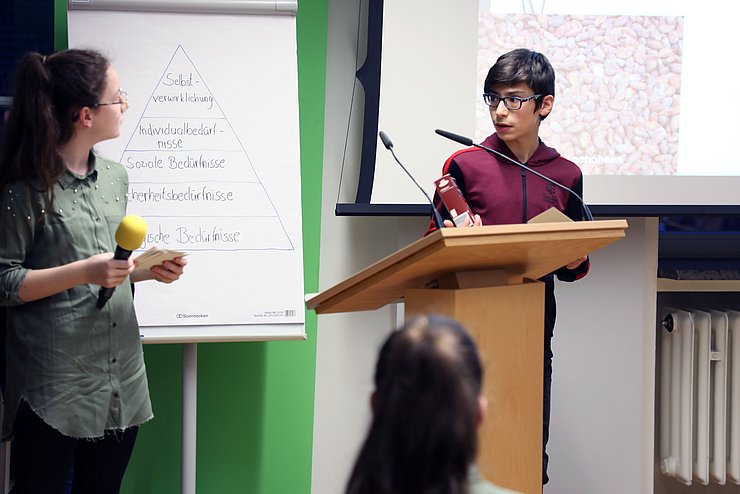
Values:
[(520, 91)]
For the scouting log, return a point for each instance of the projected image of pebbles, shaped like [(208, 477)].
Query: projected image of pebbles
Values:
[(618, 82)]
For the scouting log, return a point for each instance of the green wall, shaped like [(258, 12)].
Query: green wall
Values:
[(255, 400)]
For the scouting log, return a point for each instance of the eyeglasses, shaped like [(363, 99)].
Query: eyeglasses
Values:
[(510, 102), (122, 100)]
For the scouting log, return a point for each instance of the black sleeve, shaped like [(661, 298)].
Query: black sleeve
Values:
[(574, 207), (565, 274), (456, 173), (574, 210)]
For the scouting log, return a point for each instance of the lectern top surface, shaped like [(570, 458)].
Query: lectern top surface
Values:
[(521, 251)]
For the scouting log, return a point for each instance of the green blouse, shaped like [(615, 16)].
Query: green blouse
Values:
[(80, 368)]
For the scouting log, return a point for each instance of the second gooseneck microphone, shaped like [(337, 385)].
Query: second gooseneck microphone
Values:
[(389, 146), (466, 141)]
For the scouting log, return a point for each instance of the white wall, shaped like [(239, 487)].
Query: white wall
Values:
[(601, 436), (601, 433)]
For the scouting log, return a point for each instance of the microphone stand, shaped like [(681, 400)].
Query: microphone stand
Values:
[(389, 146)]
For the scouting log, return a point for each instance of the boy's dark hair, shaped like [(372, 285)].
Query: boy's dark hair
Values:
[(423, 437), (523, 65)]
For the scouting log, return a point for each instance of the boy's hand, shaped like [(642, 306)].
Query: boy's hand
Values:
[(476, 222), (576, 263)]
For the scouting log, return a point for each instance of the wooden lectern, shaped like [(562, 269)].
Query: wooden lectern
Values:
[(484, 278)]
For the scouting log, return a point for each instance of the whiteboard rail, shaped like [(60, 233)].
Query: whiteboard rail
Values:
[(222, 334), (239, 7)]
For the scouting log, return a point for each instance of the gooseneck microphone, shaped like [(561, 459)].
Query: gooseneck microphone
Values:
[(389, 146), (466, 141), (129, 237)]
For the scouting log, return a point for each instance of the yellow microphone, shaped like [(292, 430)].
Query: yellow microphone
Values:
[(129, 237)]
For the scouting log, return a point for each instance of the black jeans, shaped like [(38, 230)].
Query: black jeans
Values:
[(42, 458), (546, 417), (550, 315)]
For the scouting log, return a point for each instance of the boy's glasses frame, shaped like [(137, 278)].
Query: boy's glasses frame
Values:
[(510, 102)]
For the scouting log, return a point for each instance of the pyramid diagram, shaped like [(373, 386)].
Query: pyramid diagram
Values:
[(190, 176)]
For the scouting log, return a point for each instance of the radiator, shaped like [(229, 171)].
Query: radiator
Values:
[(699, 397)]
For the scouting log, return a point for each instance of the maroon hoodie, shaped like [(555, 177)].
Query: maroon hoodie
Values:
[(503, 193)]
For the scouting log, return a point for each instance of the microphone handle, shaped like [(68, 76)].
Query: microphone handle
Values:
[(435, 214), (586, 210), (106, 293), (465, 141), (386, 140)]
